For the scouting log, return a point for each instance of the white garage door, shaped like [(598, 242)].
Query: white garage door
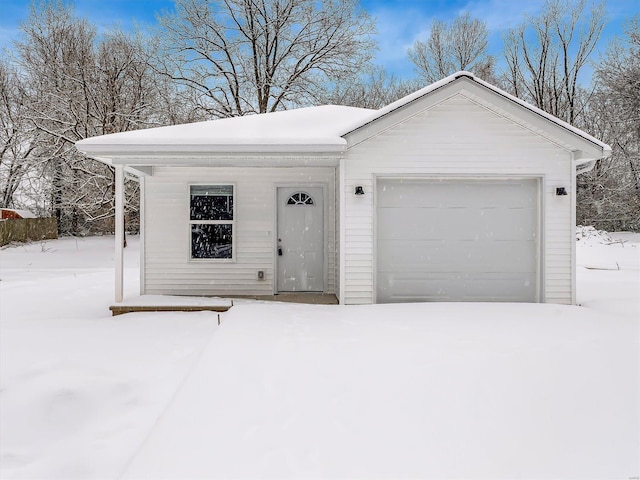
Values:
[(457, 240)]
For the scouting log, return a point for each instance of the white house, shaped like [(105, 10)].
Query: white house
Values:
[(458, 192)]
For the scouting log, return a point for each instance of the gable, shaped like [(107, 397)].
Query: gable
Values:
[(458, 135), (459, 127), (471, 91)]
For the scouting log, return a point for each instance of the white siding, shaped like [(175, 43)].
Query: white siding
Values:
[(168, 269), (457, 138)]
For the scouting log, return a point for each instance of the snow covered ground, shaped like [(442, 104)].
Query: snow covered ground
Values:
[(300, 391)]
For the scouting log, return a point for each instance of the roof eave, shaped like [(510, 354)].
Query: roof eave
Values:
[(96, 150), (584, 165)]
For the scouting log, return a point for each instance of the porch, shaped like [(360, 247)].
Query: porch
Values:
[(161, 303)]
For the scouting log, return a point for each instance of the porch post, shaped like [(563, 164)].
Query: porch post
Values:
[(342, 198), (574, 194), (119, 179)]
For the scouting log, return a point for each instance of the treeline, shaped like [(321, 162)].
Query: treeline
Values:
[(63, 81)]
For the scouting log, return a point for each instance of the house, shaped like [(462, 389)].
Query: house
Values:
[(457, 192)]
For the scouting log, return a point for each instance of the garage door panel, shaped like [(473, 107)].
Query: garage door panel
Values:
[(457, 193), (451, 224), (457, 240), (396, 288), (426, 256), (392, 223)]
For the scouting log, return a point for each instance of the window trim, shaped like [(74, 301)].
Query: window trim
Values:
[(232, 222)]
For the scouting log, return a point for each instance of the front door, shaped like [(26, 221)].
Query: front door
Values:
[(300, 249)]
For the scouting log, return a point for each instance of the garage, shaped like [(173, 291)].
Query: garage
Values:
[(457, 240)]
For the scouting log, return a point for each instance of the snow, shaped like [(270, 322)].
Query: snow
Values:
[(303, 129), (607, 271), (301, 391)]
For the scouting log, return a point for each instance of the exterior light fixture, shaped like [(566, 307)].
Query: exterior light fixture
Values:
[(560, 191), (359, 190)]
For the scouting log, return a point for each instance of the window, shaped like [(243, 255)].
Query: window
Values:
[(300, 198), (211, 219)]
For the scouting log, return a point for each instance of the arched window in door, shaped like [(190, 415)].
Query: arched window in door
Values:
[(300, 198)]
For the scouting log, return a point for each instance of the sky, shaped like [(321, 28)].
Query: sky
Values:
[(399, 22)]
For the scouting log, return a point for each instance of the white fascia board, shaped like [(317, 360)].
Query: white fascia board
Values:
[(141, 164), (227, 160), (96, 150)]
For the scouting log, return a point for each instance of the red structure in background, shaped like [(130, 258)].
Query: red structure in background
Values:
[(11, 214)]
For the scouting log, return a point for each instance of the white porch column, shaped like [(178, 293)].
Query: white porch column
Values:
[(343, 220), (574, 194), (119, 179)]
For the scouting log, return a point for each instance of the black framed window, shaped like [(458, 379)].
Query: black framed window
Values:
[(211, 219), (300, 198)]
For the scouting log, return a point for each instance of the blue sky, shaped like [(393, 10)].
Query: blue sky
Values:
[(399, 22)]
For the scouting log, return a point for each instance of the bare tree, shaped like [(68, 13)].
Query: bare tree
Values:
[(459, 45), (16, 139), (610, 194), (545, 55), (235, 57), (81, 85), (374, 89)]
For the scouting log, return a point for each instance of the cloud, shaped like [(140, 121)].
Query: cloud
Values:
[(399, 26)]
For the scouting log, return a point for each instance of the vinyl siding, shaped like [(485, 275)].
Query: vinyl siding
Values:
[(457, 138), (168, 269)]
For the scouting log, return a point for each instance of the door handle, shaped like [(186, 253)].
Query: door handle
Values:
[(279, 251)]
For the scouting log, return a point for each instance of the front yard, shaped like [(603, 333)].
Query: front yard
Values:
[(299, 391)]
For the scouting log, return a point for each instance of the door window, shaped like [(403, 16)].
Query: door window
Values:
[(300, 198)]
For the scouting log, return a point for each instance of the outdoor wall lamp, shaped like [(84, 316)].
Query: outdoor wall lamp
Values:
[(359, 190), (561, 191)]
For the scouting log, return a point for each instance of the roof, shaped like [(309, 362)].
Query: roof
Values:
[(308, 129), (464, 74), (320, 129), (21, 213)]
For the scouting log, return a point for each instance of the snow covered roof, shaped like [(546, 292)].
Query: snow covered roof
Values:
[(311, 129), (21, 213), (308, 130)]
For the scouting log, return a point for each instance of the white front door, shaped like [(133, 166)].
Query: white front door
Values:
[(300, 248)]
